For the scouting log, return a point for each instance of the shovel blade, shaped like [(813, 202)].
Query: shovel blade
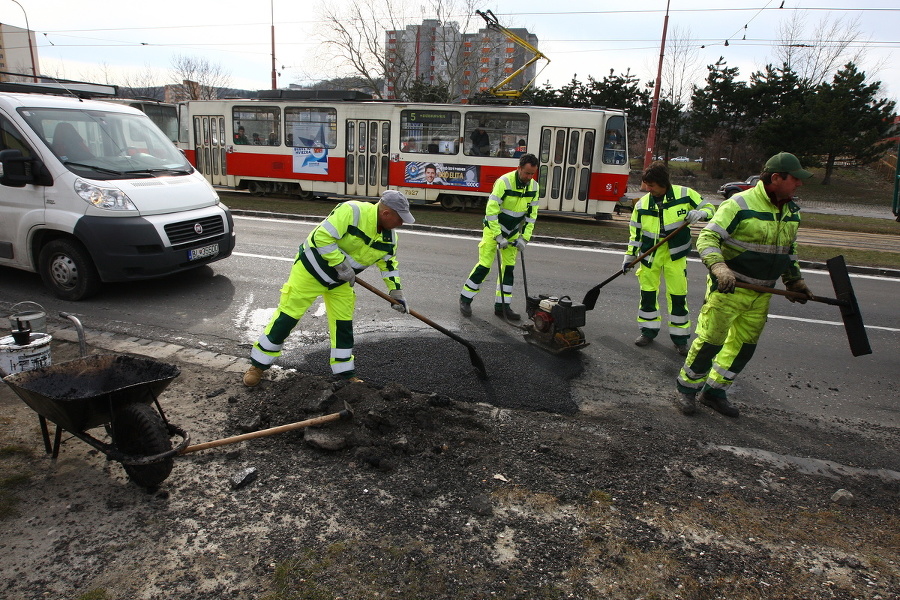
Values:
[(853, 322)]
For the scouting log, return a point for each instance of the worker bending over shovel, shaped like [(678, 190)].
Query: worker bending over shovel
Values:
[(354, 236), (752, 238)]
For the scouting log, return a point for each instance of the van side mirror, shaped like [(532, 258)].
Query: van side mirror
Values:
[(17, 170)]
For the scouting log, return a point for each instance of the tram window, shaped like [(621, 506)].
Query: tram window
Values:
[(214, 131), (555, 181), (349, 173), (614, 152), (570, 182), (584, 183), (373, 170), (559, 150), (588, 154), (500, 134), (384, 170), (222, 160), (429, 131), (197, 121), (312, 127), (351, 127), (573, 147), (258, 122), (361, 169), (545, 145), (385, 138), (362, 141), (542, 180), (373, 137)]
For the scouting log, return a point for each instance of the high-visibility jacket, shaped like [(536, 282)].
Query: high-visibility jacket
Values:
[(756, 239), (653, 218), (350, 232), (509, 206)]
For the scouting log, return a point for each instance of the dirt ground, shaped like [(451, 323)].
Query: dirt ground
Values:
[(423, 496)]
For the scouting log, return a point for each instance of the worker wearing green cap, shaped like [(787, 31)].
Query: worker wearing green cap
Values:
[(752, 238)]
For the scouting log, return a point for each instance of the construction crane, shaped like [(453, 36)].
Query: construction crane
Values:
[(497, 91)]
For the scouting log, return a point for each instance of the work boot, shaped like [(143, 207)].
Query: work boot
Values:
[(685, 403), (465, 308), (253, 376), (720, 405), (643, 341), (508, 312), (682, 349)]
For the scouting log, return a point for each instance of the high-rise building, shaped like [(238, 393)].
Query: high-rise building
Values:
[(18, 54), (466, 63)]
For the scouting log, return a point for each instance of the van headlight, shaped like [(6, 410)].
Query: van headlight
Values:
[(108, 198)]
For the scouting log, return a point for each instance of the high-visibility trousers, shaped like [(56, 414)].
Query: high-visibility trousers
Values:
[(648, 318), (487, 254), (728, 330), (297, 295)]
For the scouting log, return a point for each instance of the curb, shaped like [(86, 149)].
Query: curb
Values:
[(554, 240)]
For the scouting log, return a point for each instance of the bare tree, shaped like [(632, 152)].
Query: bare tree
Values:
[(200, 79), (145, 83), (681, 66), (834, 43)]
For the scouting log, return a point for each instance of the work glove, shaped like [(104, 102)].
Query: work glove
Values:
[(520, 243), (626, 263), (694, 216), (502, 242), (346, 273), (724, 276), (402, 307), (799, 286)]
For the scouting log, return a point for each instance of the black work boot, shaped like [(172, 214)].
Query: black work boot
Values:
[(508, 312), (685, 403), (643, 340), (465, 308), (720, 405)]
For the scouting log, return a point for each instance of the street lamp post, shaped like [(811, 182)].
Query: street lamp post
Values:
[(30, 45), (654, 110), (274, 74)]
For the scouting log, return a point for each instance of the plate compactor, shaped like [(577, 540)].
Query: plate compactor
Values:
[(555, 323)]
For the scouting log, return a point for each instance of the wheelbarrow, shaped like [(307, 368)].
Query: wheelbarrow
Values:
[(119, 392)]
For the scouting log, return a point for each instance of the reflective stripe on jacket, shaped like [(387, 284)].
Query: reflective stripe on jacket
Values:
[(509, 206), (647, 227), (350, 232), (756, 239)]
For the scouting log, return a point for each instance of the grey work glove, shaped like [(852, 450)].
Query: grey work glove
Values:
[(502, 242), (799, 286), (520, 243), (402, 306), (346, 272), (724, 276), (694, 216), (626, 263)]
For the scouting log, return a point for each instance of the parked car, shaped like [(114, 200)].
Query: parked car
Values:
[(733, 187), (681, 159)]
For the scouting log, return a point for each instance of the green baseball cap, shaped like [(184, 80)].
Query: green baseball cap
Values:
[(785, 162)]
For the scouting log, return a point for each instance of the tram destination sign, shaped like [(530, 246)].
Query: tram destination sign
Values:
[(430, 116)]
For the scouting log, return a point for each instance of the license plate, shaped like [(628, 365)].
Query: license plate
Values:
[(204, 252)]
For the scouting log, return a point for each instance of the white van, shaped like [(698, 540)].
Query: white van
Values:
[(94, 192)]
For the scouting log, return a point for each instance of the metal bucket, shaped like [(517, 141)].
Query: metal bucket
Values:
[(16, 358), (31, 313)]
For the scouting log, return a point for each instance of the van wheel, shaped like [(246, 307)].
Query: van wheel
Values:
[(67, 269)]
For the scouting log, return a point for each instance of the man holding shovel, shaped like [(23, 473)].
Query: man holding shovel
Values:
[(354, 236), (508, 225), (665, 210), (751, 239)]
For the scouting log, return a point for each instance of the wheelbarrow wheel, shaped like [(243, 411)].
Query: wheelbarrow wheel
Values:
[(140, 431)]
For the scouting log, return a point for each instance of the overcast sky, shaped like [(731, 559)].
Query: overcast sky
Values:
[(583, 37)]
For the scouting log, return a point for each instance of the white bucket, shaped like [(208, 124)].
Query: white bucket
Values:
[(31, 313), (18, 359)]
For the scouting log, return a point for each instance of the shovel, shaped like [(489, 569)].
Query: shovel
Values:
[(473, 354), (590, 299), (846, 300)]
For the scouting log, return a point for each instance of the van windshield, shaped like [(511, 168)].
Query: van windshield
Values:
[(106, 145)]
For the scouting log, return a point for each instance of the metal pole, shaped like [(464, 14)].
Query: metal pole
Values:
[(896, 205), (274, 74), (654, 111), (30, 45)]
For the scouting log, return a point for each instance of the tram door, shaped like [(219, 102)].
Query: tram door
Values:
[(209, 146), (565, 169), (366, 169)]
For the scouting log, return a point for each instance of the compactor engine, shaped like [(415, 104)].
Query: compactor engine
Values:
[(555, 323)]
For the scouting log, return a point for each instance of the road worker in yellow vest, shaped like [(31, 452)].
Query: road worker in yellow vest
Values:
[(354, 236), (509, 220), (665, 208), (753, 239)]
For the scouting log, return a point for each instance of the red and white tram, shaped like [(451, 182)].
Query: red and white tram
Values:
[(282, 143)]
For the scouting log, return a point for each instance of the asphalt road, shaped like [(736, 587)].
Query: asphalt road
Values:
[(803, 364)]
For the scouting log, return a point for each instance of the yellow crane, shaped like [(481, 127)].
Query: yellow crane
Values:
[(497, 91)]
